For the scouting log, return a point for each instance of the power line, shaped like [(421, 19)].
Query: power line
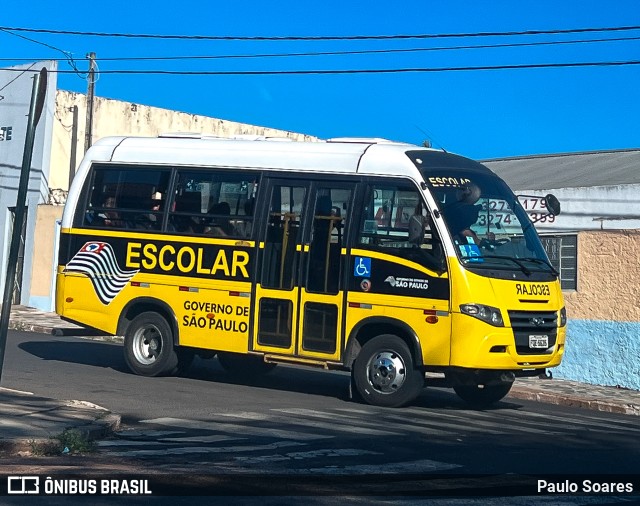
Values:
[(35, 41), (348, 53), (68, 57), (360, 71), (322, 37), (15, 78)]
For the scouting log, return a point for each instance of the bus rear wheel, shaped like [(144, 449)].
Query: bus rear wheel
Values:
[(482, 395), (148, 346), (384, 372)]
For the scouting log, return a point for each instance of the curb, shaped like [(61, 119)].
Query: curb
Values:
[(30, 327), (60, 331), (574, 401)]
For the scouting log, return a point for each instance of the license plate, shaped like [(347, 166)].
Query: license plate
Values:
[(539, 342)]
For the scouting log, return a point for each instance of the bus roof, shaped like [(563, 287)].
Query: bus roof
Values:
[(345, 155), (370, 156)]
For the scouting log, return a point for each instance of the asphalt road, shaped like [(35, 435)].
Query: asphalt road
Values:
[(297, 424)]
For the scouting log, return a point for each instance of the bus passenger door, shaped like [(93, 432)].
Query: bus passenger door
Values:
[(322, 291), (298, 308), (277, 294)]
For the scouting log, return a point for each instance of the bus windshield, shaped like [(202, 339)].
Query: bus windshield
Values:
[(487, 223)]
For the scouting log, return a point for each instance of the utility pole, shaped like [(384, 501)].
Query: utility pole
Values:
[(38, 96), (74, 143), (91, 86)]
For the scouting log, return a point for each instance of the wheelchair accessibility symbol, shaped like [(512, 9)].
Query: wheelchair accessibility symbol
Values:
[(362, 267)]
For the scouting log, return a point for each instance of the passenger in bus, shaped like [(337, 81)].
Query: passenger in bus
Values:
[(156, 204), (220, 225), (383, 216), (426, 248), (418, 224), (189, 225), (110, 218), (151, 220), (243, 227), (460, 218), (460, 223)]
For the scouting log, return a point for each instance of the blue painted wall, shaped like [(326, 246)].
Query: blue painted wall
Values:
[(602, 353)]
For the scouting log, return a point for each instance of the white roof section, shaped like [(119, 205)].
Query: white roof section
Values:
[(346, 156)]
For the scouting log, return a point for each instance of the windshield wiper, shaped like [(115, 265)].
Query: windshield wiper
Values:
[(544, 262), (516, 261), (519, 261)]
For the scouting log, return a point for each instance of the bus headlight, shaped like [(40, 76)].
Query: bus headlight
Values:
[(563, 316), (488, 314)]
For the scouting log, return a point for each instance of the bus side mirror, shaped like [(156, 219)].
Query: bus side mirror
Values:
[(553, 204)]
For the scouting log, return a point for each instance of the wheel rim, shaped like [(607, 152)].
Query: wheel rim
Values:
[(386, 372), (147, 344)]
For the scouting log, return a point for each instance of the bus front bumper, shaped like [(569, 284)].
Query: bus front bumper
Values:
[(478, 345)]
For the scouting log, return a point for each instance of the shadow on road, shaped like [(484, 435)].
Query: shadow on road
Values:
[(285, 378), (78, 352)]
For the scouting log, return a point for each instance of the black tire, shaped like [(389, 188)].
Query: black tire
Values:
[(480, 396), (185, 359), (244, 366), (384, 372), (148, 346)]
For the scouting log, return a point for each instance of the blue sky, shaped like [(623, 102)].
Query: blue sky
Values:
[(480, 114)]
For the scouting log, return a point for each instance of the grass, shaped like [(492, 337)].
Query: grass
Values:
[(71, 441)]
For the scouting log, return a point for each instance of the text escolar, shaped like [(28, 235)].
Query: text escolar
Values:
[(186, 259)]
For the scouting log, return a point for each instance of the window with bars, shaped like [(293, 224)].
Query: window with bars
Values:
[(563, 255)]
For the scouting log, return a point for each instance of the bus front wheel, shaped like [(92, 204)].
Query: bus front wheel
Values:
[(482, 395), (148, 346), (384, 372)]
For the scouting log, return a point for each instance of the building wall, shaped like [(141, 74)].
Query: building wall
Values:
[(114, 117), (603, 333), (613, 207), (43, 262)]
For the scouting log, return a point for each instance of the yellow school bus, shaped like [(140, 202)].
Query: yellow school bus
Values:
[(402, 264)]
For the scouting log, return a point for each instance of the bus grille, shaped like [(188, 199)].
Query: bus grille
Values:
[(530, 323)]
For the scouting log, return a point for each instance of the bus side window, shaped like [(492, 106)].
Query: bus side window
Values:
[(219, 225), (395, 220), (185, 216), (327, 239), (244, 224), (283, 226), (120, 197), (214, 203)]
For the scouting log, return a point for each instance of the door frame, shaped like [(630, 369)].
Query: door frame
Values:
[(298, 295)]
